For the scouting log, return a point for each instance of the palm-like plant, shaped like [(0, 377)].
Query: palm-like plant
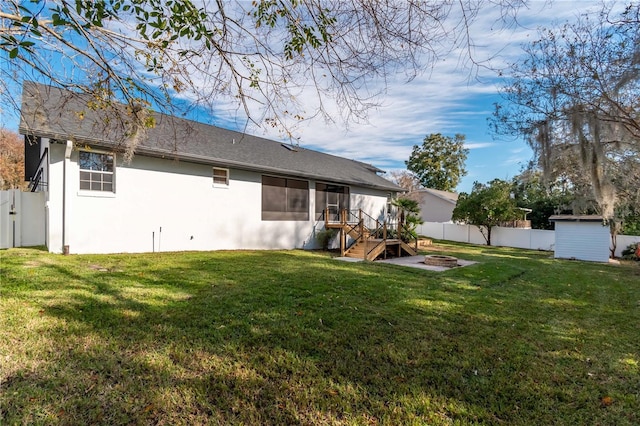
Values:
[(408, 218)]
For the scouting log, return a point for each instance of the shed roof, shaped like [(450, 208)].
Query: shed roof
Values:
[(62, 114), (575, 218)]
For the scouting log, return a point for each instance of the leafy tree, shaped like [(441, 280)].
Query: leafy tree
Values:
[(11, 160), (576, 98), (486, 206), (439, 162), (409, 182), (259, 56), (531, 191), (631, 224), (408, 217)]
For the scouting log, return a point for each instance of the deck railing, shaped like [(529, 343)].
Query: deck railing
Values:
[(365, 229)]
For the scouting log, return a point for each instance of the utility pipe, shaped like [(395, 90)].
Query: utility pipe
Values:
[(67, 157)]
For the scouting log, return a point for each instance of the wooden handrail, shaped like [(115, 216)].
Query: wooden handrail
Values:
[(366, 234), (35, 180)]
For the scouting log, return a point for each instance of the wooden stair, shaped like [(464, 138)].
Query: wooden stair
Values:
[(368, 244)]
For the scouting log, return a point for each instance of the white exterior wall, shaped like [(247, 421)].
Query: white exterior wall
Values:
[(167, 205), (54, 178), (372, 202), (582, 241), (435, 209)]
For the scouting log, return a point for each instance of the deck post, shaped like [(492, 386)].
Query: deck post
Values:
[(366, 244), (384, 237), (326, 217), (361, 232)]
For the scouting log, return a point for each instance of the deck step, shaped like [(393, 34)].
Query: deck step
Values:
[(368, 244)]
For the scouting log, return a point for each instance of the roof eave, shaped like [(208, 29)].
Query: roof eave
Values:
[(159, 153)]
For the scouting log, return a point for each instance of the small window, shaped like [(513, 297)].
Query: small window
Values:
[(220, 177), (96, 171)]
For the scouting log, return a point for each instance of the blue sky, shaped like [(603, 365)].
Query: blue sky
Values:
[(448, 99)]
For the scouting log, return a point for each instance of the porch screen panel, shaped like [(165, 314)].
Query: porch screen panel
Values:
[(330, 196), (284, 199), (298, 196), (321, 199)]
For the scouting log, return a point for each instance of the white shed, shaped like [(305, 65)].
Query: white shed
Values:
[(581, 237)]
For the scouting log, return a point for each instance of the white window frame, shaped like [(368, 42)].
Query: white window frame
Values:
[(97, 173), (219, 184)]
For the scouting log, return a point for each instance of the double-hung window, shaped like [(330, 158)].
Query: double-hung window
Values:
[(97, 171)]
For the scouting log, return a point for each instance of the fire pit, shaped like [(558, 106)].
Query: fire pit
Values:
[(441, 260)]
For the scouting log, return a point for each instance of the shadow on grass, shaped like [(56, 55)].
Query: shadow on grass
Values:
[(297, 338)]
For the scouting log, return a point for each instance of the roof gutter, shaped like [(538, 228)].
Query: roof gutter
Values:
[(199, 159)]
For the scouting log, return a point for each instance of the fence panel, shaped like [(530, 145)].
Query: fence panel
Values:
[(511, 237), (432, 230), (534, 239), (22, 218), (542, 239), (623, 241)]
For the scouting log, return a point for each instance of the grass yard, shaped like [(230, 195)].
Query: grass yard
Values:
[(296, 337)]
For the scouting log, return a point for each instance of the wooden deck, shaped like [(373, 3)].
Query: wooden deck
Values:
[(369, 242)]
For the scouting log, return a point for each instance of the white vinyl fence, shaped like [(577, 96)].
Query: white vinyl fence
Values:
[(22, 219), (533, 239)]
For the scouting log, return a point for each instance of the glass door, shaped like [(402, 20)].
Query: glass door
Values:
[(333, 198)]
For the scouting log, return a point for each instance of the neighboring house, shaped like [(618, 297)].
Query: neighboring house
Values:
[(190, 186), (436, 205)]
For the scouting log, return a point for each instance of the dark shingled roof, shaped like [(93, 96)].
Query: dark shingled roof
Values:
[(61, 114), (575, 218)]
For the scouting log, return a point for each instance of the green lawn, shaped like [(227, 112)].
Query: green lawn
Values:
[(296, 337)]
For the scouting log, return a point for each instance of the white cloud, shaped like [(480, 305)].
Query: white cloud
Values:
[(479, 145), (447, 98)]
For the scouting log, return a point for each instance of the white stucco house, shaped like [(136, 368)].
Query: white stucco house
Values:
[(436, 205), (190, 186)]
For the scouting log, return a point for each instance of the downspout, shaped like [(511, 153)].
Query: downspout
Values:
[(67, 157)]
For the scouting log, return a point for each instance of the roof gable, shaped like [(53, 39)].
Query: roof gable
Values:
[(450, 197), (61, 114)]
